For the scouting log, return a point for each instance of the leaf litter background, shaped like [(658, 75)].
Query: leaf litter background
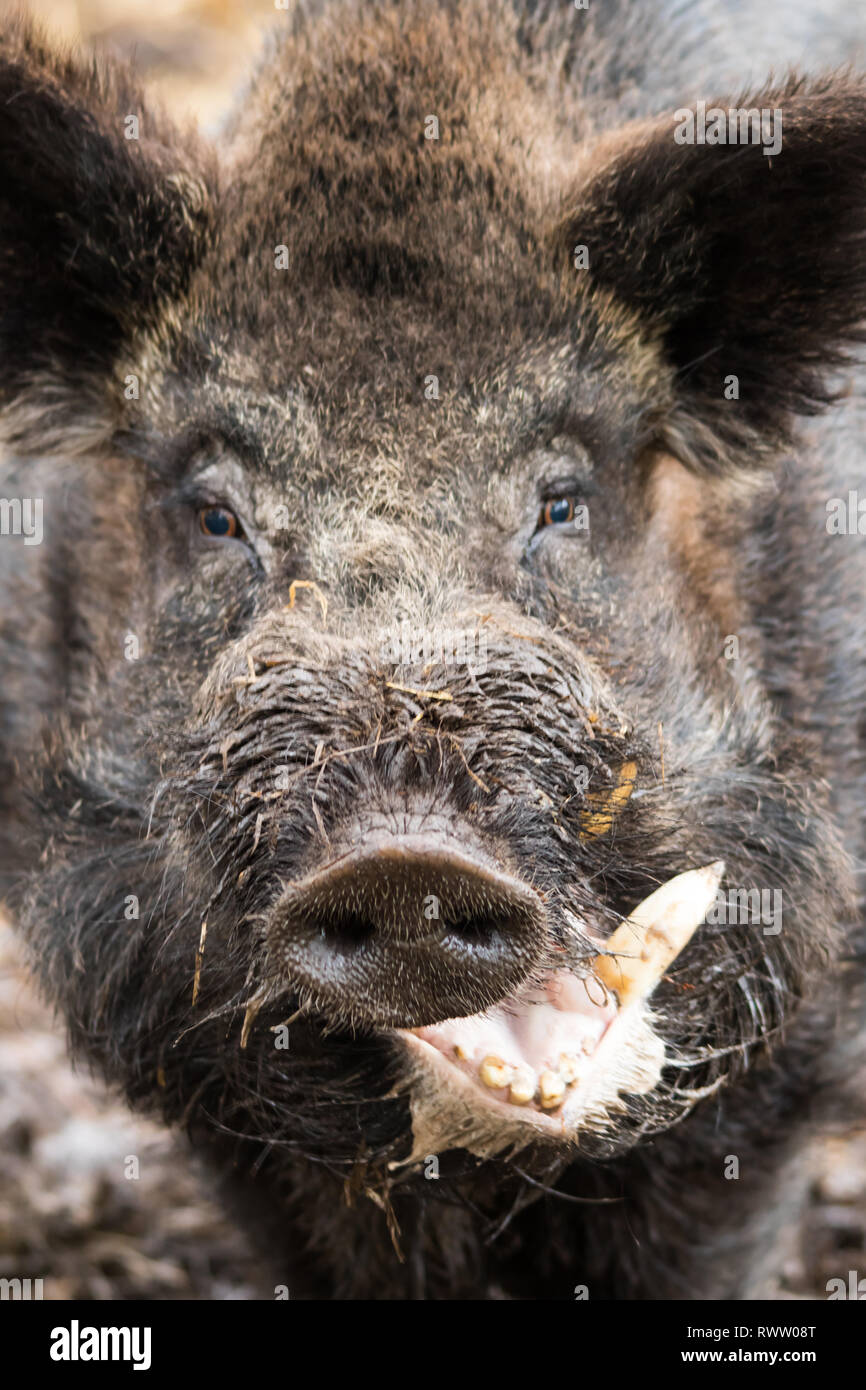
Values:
[(68, 1214)]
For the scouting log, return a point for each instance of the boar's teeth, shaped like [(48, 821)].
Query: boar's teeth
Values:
[(523, 1086), (642, 948), (569, 1068), (551, 1088), (460, 1053), (495, 1073)]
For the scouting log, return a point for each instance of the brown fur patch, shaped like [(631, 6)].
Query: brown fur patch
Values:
[(683, 507)]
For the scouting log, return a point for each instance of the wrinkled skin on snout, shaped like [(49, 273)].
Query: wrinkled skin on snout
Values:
[(335, 709)]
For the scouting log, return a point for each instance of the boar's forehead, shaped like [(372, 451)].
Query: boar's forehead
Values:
[(314, 428), (403, 435), (372, 294), (326, 383)]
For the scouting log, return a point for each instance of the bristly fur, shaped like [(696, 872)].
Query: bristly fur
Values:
[(187, 726)]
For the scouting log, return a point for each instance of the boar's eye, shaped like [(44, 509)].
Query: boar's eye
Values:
[(556, 511), (220, 523)]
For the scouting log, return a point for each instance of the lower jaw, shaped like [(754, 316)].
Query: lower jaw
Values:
[(451, 1107), (575, 1057)]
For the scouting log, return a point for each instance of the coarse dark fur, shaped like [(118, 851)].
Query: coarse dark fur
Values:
[(185, 730)]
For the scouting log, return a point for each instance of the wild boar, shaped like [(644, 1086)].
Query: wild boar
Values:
[(431, 544)]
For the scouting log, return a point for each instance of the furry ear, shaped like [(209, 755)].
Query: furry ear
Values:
[(97, 230), (742, 263)]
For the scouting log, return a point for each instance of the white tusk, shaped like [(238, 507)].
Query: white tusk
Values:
[(642, 948)]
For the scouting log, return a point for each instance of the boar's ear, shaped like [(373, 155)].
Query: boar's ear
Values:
[(740, 264), (97, 231)]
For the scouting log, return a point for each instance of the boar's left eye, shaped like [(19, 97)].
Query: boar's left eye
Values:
[(220, 523), (556, 511)]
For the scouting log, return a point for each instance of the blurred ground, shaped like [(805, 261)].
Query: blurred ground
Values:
[(196, 55), (68, 1213)]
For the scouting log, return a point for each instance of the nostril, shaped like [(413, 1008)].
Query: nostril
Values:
[(346, 932), (481, 929), (406, 930)]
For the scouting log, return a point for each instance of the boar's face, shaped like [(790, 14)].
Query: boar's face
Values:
[(391, 554)]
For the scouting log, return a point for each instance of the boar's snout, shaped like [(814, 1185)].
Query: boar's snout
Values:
[(402, 931)]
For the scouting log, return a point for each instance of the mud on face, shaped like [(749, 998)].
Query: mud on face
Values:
[(313, 804)]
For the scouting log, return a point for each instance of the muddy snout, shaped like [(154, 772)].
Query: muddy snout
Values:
[(401, 931)]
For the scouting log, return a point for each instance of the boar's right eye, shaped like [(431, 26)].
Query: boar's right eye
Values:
[(220, 523), (556, 511)]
